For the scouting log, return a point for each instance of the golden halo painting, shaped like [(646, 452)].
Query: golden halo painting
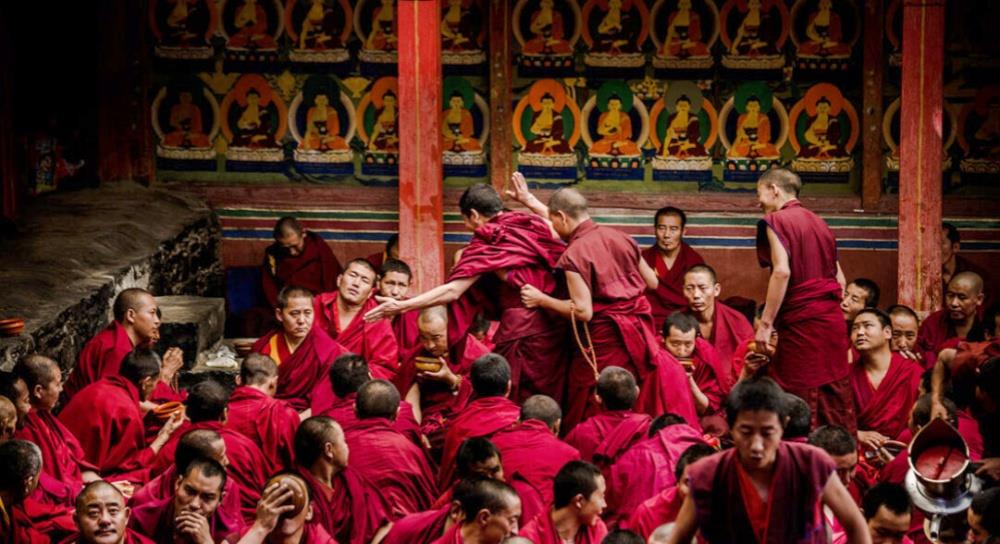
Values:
[(824, 131), (546, 125)]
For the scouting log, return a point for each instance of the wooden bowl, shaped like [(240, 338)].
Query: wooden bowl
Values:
[(244, 346), (166, 410), (427, 364), (299, 493), (11, 326)]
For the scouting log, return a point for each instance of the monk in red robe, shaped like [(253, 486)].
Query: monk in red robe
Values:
[(394, 280), (102, 516), (105, 417), (508, 250), (532, 447), (297, 257), (8, 418), (348, 506), (602, 438), (341, 315), (733, 492), (490, 513), (430, 525), (606, 278), (254, 412), (22, 462), (490, 411), (803, 301), (188, 512), (885, 384), (958, 321), (725, 328), (384, 456), (707, 372), (905, 327), (62, 456), (303, 352), (663, 507), (670, 257), (389, 253), (578, 501), (842, 448), (283, 515)]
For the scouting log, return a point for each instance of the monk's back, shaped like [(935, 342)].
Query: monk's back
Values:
[(811, 246), (608, 261)]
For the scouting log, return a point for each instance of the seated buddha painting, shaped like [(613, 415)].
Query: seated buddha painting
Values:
[(615, 127), (378, 127), (318, 30), (254, 121), (683, 129), (547, 32), (322, 122), (546, 126), (614, 32), (979, 132), (824, 33), (753, 126), (824, 131), (684, 32), (463, 32), (183, 29), (185, 121), (754, 33)]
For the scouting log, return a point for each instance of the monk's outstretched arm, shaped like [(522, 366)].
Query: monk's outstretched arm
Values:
[(777, 286), (519, 192), (685, 526), (841, 279), (648, 274), (836, 496), (579, 306), (939, 375), (442, 294)]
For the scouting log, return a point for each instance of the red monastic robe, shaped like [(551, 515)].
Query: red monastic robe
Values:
[(886, 409), (531, 450), (730, 332), (659, 510), (131, 537), (101, 356), (608, 434), (937, 333), (481, 417), (669, 294), (316, 269), (711, 373), (342, 411), (155, 521), (374, 341), (352, 511), (270, 423), (419, 528), (226, 519), (541, 530), (33, 520), (62, 456), (404, 327), (300, 373)]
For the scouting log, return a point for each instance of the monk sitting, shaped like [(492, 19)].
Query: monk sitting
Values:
[(303, 352), (341, 314), (859, 294), (254, 412), (186, 515), (389, 252), (8, 418), (605, 436), (430, 525), (888, 512), (102, 517), (297, 257), (22, 462), (394, 278), (670, 257), (895, 469), (348, 506), (490, 513), (905, 326), (884, 383), (983, 515), (106, 418), (843, 449), (725, 328), (577, 503), (489, 412), (732, 492), (958, 321), (284, 514), (707, 372), (384, 456)]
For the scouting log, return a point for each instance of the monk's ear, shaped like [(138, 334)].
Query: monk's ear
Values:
[(130, 315), (225, 414), (238, 380), (483, 517), (507, 392), (309, 512), (128, 514), (556, 426), (597, 397), (277, 314)]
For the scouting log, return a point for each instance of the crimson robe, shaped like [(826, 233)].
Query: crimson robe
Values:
[(316, 268), (62, 456), (711, 374), (669, 294), (131, 537), (101, 356), (646, 469), (518, 247), (33, 518), (374, 340), (482, 417), (800, 474), (937, 333), (659, 510), (270, 423), (887, 409), (730, 332), (155, 521), (54, 492), (608, 434), (342, 411), (451, 536), (541, 530), (226, 519), (404, 327), (531, 450), (301, 372), (419, 528), (352, 511)]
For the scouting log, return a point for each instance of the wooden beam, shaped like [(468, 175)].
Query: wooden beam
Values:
[(421, 219), (501, 155), (920, 155), (871, 115)]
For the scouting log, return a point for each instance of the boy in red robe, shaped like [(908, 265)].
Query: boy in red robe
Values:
[(341, 314), (602, 438), (670, 257), (394, 278), (725, 328), (102, 516), (578, 501), (803, 301), (284, 514), (254, 412), (734, 492), (885, 384), (297, 257), (303, 352), (707, 372), (888, 513), (490, 514), (384, 456), (188, 512), (957, 321), (428, 526)]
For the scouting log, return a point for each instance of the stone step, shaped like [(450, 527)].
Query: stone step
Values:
[(194, 324)]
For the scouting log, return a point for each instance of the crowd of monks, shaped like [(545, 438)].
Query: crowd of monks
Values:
[(562, 386)]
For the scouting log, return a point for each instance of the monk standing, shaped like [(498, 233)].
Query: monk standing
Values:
[(725, 328), (297, 257), (578, 501), (254, 412), (803, 301), (102, 516), (670, 257)]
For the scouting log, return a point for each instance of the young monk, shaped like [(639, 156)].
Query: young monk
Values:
[(803, 301), (302, 352), (254, 412), (723, 327), (602, 438), (341, 314), (859, 294), (957, 321), (297, 257), (102, 517), (388, 253), (430, 525), (887, 512), (764, 488), (905, 326), (284, 514), (22, 462), (394, 279), (188, 513), (490, 513), (577, 503), (708, 374), (842, 448), (670, 257)]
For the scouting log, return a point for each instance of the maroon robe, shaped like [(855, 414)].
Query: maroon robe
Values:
[(226, 519), (101, 356), (131, 537), (608, 435), (800, 476), (62, 456), (531, 450), (270, 423), (34, 519), (669, 294), (316, 268), (374, 340), (520, 248), (155, 521), (301, 372), (352, 511), (937, 333), (342, 411), (711, 374), (645, 469), (404, 327), (541, 530), (451, 536), (887, 409), (659, 510), (730, 332), (482, 417), (419, 528)]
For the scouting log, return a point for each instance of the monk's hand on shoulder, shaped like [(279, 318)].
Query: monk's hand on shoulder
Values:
[(531, 297), (387, 307), (275, 501), (873, 440), (194, 526), (518, 188)]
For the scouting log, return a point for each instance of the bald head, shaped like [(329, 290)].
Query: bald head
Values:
[(433, 315), (617, 388), (544, 409), (258, 369), (312, 437), (93, 489), (377, 399), (36, 369), (968, 280), (8, 419), (200, 444), (134, 299), (570, 202)]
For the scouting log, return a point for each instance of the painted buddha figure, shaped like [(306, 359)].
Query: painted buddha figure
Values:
[(185, 123), (383, 34), (615, 128), (253, 129), (985, 142), (749, 40), (455, 31), (684, 34), (385, 132), (457, 127), (823, 135), (323, 126), (612, 33), (547, 126), (251, 23), (683, 132), (824, 33), (753, 134), (548, 32), (317, 28), (177, 30)]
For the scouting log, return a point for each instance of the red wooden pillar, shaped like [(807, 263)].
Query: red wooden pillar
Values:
[(871, 115), (421, 219), (920, 155), (500, 96)]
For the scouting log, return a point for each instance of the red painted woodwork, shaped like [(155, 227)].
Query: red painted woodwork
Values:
[(871, 114), (421, 227), (500, 94), (920, 155)]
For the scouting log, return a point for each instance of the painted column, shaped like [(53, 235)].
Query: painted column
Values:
[(871, 115), (501, 155)]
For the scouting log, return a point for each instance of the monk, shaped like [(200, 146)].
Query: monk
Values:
[(859, 294), (602, 438), (303, 352), (490, 513), (888, 512), (254, 412), (842, 448), (708, 374), (508, 250), (389, 253), (885, 384), (671, 257), (957, 369), (136, 323), (956, 322), (384, 456), (606, 279), (725, 328), (953, 263), (187, 514), (532, 447), (489, 412), (106, 418), (297, 257), (341, 315), (578, 501), (14, 389), (22, 462), (394, 281), (894, 471), (732, 492), (63, 457), (430, 525), (102, 517), (284, 514), (8, 418), (905, 326), (802, 304), (982, 516)]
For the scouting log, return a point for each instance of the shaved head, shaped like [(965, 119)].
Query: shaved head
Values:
[(433, 314), (94, 488), (377, 398), (199, 444), (570, 202), (36, 369), (973, 281), (257, 368), (130, 299), (542, 408)]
